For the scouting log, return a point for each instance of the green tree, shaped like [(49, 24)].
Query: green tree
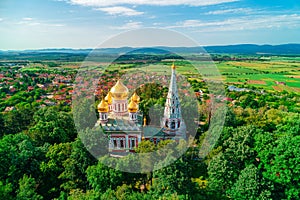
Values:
[(2, 125), (102, 177), (18, 120), (74, 174), (77, 194), (52, 126), (174, 178), (251, 185), (18, 156), (283, 166), (27, 189), (6, 190), (84, 113), (146, 147), (238, 152), (52, 167)]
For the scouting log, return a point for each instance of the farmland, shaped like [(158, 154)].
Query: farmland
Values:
[(280, 74), (273, 74)]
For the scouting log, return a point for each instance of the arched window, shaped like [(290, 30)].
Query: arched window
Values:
[(132, 142), (122, 142), (173, 125), (115, 142)]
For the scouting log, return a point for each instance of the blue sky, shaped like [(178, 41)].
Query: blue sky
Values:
[(34, 24)]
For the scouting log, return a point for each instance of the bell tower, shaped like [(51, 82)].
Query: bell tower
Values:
[(172, 119)]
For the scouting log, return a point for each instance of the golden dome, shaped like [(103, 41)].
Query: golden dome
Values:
[(119, 91), (103, 107), (108, 98), (173, 66), (132, 106), (135, 98)]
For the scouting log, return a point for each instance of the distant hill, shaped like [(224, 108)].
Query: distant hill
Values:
[(79, 54), (283, 49)]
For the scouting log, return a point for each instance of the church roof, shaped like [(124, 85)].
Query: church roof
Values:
[(133, 107), (108, 98), (119, 91), (135, 98), (103, 107), (152, 131)]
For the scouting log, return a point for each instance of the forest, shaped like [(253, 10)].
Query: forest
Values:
[(257, 155)]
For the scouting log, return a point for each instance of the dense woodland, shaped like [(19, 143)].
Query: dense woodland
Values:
[(256, 157)]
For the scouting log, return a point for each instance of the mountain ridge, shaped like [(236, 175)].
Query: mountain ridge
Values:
[(282, 49)]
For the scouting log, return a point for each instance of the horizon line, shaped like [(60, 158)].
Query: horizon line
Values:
[(91, 48)]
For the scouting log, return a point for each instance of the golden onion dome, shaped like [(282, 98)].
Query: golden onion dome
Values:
[(133, 107), (103, 107), (173, 66), (108, 98), (119, 91), (135, 98)]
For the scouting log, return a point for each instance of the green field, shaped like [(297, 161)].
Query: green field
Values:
[(263, 74), (259, 73)]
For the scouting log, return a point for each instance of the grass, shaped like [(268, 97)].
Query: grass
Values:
[(263, 73)]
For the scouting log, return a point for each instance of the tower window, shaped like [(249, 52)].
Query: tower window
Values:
[(173, 125)]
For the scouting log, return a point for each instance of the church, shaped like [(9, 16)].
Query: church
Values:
[(125, 125)]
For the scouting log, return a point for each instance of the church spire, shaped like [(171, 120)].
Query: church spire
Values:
[(172, 114)]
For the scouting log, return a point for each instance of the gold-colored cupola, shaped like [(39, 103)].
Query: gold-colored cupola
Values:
[(108, 98), (133, 107), (135, 98), (119, 91), (103, 107)]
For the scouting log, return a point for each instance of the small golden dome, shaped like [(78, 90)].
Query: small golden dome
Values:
[(108, 98), (103, 107), (173, 66), (135, 98), (119, 91), (132, 107)]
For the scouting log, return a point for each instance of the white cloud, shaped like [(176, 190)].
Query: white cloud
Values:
[(27, 19), (105, 3), (230, 11), (129, 26), (57, 25), (29, 23), (243, 23), (116, 7), (1, 19), (120, 10)]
